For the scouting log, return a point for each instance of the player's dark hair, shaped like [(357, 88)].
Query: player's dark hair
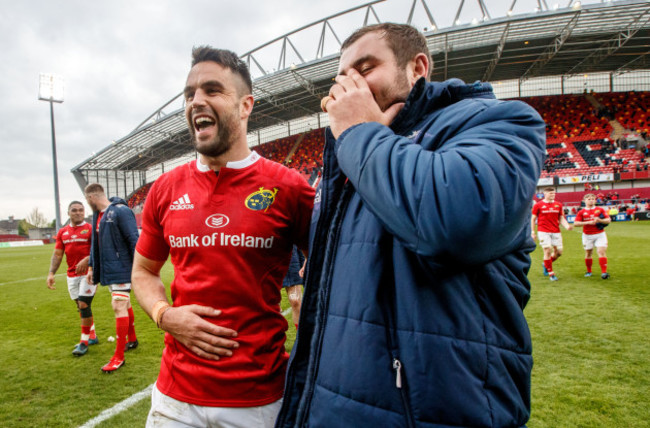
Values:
[(404, 40), (224, 58), (74, 203), (549, 189)]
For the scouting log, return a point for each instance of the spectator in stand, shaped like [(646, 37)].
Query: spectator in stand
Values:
[(115, 235), (74, 240), (548, 215), (593, 221)]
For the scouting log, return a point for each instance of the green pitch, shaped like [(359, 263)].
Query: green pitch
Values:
[(590, 343)]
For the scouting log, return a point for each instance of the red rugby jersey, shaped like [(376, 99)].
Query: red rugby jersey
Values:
[(587, 214), (75, 243), (230, 238), (548, 216)]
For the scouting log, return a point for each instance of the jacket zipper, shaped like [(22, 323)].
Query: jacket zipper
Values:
[(397, 366), (290, 376)]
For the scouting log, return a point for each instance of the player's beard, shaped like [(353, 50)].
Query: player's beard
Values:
[(227, 132)]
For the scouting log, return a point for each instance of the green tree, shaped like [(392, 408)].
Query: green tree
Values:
[(23, 228)]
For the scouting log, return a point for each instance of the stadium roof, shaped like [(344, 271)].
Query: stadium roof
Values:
[(608, 37)]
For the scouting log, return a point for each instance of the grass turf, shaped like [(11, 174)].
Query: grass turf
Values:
[(590, 343)]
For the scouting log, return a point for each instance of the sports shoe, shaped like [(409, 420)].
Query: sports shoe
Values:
[(94, 341), (553, 278), (80, 349), (605, 276), (545, 270), (588, 275), (131, 345), (113, 365)]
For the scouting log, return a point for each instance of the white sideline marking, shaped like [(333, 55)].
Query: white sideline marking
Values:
[(286, 311), (43, 277), (118, 408)]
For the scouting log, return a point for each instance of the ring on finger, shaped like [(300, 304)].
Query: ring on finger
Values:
[(323, 103)]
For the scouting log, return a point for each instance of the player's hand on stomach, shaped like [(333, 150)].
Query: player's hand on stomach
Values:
[(207, 340)]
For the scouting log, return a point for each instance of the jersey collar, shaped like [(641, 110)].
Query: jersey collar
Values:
[(248, 161)]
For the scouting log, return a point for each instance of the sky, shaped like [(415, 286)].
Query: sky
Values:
[(121, 60)]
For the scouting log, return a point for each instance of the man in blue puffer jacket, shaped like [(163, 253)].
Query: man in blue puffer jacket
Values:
[(115, 234), (420, 241)]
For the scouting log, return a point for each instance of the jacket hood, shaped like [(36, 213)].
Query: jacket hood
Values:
[(426, 97), (115, 200)]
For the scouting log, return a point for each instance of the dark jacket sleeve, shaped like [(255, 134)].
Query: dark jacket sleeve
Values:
[(128, 228), (463, 193)]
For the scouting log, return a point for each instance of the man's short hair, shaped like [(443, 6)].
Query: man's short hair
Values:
[(549, 189), (589, 195), (404, 40), (74, 203), (225, 58), (93, 188)]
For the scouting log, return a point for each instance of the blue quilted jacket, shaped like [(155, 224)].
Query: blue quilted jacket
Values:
[(112, 263), (416, 278)]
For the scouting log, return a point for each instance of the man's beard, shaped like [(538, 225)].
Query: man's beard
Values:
[(223, 141), (396, 93)]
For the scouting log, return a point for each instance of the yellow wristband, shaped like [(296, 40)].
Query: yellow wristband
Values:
[(157, 311)]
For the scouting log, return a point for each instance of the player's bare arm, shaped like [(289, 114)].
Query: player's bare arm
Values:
[(605, 220), (565, 223), (353, 103), (55, 262), (533, 222), (82, 266), (584, 223), (186, 323)]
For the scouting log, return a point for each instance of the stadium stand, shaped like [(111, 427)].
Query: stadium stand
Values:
[(308, 156), (136, 200), (12, 238), (584, 136)]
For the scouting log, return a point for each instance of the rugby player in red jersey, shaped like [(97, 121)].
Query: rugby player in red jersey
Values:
[(548, 215), (229, 221), (593, 221), (74, 241)]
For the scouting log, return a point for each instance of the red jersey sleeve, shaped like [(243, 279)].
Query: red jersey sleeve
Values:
[(59, 240)]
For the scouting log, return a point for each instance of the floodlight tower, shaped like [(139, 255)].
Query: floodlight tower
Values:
[(50, 88)]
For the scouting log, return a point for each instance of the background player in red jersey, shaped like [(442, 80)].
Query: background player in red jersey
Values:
[(548, 215), (74, 241), (229, 221), (593, 221)]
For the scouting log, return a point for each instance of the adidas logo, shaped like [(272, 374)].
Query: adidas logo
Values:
[(183, 203)]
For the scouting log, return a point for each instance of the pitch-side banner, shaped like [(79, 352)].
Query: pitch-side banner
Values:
[(592, 178), (547, 181)]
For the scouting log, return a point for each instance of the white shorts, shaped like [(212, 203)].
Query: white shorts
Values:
[(598, 240), (77, 285), (120, 287), (168, 412), (547, 239)]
